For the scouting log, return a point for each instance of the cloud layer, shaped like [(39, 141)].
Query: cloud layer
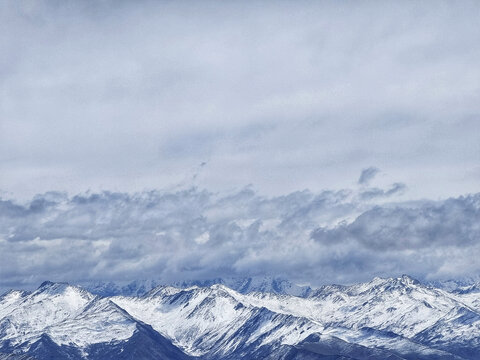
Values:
[(331, 236), (127, 96)]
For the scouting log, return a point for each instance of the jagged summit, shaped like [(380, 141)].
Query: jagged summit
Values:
[(14, 293), (403, 280), (64, 290), (51, 286), (46, 283), (408, 280), (394, 282)]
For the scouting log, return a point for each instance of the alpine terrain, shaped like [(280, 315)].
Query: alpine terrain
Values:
[(394, 318)]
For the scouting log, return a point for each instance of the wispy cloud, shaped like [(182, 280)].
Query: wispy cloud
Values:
[(367, 175), (372, 193)]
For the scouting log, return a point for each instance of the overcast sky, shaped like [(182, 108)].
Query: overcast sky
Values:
[(375, 102)]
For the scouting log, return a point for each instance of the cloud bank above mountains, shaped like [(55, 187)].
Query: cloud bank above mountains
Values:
[(315, 238)]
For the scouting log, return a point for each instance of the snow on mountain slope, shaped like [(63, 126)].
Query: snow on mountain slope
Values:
[(399, 345), (457, 285), (458, 331), (68, 314), (220, 320), (100, 321), (469, 296), (25, 316), (401, 305), (10, 300), (59, 321), (202, 320)]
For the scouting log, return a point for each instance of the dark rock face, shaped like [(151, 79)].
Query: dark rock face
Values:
[(45, 348), (145, 344)]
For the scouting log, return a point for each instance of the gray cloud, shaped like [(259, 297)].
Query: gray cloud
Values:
[(371, 193), (453, 222), (332, 236), (127, 96), (367, 175)]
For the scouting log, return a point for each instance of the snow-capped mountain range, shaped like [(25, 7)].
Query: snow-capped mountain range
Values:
[(394, 318), (242, 285)]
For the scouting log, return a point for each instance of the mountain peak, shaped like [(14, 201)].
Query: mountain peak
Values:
[(408, 280), (64, 290), (46, 283), (53, 287), (401, 282)]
